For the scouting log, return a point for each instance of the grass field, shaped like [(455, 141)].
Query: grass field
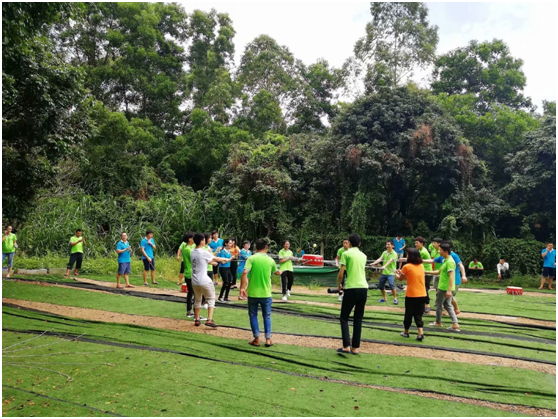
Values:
[(134, 370)]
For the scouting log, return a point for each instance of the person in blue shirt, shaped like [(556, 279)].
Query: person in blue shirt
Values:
[(225, 271), (244, 255), (549, 266), (216, 244), (124, 250), (399, 243), (460, 275), (147, 246), (299, 253)]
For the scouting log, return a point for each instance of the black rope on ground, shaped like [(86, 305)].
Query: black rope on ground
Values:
[(84, 406), (324, 378)]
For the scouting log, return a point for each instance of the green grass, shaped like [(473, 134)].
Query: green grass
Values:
[(499, 384), (281, 323)]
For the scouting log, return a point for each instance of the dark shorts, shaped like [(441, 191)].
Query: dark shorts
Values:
[(549, 272), (182, 267), (124, 268), (148, 266), (216, 270), (76, 258)]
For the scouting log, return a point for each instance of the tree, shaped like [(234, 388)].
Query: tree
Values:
[(398, 39), (485, 70)]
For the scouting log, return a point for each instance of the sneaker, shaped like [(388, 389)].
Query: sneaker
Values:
[(288, 293), (203, 318), (434, 324), (405, 335), (340, 298), (454, 329), (146, 284), (383, 301), (420, 338), (226, 300), (284, 297), (220, 299), (190, 315), (205, 306), (395, 301)]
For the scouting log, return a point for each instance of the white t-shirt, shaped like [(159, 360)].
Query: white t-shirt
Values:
[(200, 258)]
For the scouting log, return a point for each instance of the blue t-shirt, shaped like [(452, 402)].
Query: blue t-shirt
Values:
[(457, 261), (244, 254), (215, 244), (123, 257), (549, 259), (148, 249), (224, 253), (399, 245)]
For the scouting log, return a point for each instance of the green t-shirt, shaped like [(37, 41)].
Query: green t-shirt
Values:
[(425, 256), (261, 267), (209, 266), (433, 255), (354, 261), (8, 245), (186, 252), (285, 254), (390, 267), (78, 248), (477, 265), (340, 252), (447, 266)]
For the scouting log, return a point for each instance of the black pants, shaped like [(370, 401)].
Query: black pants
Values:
[(353, 298), (76, 258), (234, 267), (475, 272), (190, 295), (287, 279), (227, 281), (414, 307), (427, 282)]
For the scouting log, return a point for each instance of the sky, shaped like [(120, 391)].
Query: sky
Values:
[(330, 30)]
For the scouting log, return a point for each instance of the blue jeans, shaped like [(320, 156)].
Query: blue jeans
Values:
[(266, 312), (386, 278), (10, 257)]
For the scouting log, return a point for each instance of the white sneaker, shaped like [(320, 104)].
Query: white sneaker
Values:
[(202, 318), (284, 297), (340, 298), (288, 293), (205, 306)]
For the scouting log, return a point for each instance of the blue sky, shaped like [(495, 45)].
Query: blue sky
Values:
[(330, 30)]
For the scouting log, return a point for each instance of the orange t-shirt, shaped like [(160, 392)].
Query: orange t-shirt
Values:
[(415, 280)]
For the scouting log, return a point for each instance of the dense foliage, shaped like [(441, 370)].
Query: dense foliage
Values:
[(126, 116)]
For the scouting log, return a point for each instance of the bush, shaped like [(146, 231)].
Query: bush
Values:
[(522, 255)]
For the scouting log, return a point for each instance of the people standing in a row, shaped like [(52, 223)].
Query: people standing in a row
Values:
[(286, 268), (549, 265), (9, 245), (147, 247), (389, 258), (124, 252), (76, 252)]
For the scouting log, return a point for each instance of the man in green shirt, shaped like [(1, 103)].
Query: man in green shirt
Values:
[(76, 253), (389, 257), (286, 267), (446, 285), (9, 244), (340, 252), (258, 290), (353, 261), (186, 250), (419, 244), (475, 268)]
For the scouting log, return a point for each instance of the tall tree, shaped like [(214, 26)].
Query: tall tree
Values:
[(398, 40), (485, 70)]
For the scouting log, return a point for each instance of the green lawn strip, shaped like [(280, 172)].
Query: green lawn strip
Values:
[(281, 323), (500, 384)]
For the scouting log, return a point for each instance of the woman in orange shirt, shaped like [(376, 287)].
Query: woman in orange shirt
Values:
[(415, 297)]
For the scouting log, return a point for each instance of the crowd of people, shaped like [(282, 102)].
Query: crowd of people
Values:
[(206, 258)]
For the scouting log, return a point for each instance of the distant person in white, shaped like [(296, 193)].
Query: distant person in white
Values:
[(201, 282), (503, 269)]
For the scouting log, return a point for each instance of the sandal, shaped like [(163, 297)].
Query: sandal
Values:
[(196, 322), (130, 286), (269, 345), (155, 283), (252, 342), (343, 351), (210, 323)]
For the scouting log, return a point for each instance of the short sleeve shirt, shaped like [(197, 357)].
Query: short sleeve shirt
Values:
[(434, 254), (148, 249), (186, 257), (415, 280), (123, 257), (447, 266), (392, 259), (215, 244), (549, 259), (209, 267), (224, 253), (8, 245), (340, 252), (355, 262), (243, 256), (199, 259), (425, 256), (78, 248), (399, 245), (476, 265), (261, 267), (457, 261), (288, 265)]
